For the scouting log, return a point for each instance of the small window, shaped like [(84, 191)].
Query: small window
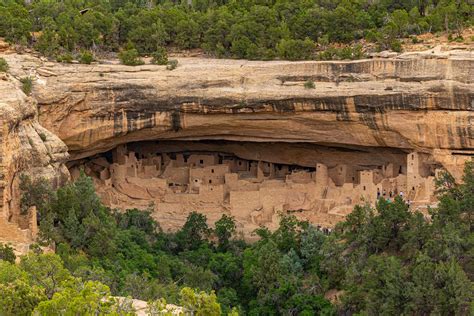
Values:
[(196, 180), (201, 161), (364, 187), (210, 181), (212, 170), (412, 157), (240, 163), (413, 188)]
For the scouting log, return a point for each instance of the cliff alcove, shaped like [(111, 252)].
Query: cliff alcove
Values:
[(370, 127), (255, 181)]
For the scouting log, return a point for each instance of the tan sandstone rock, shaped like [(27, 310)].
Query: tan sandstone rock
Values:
[(368, 112)]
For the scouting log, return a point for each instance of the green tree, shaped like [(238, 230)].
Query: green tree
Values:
[(77, 298), (7, 253), (130, 57), (224, 230), (292, 49), (160, 56), (15, 22), (45, 271), (187, 34), (194, 232), (200, 304), (19, 298)]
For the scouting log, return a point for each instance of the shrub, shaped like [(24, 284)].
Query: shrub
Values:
[(396, 46), (172, 64), (130, 57), (309, 84), (348, 52), (415, 40), (295, 49), (7, 253), (64, 58), (160, 57), (26, 85), (42, 136), (86, 57), (3, 65)]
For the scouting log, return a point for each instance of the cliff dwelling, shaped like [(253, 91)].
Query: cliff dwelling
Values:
[(245, 139), (255, 182)]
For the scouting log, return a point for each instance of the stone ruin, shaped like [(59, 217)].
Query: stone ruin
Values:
[(255, 192)]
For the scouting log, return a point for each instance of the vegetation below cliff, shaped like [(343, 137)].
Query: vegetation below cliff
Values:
[(387, 260), (253, 29)]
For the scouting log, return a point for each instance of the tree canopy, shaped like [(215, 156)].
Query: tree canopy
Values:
[(383, 260), (251, 29)]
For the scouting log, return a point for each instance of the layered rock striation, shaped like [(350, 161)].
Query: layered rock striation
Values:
[(416, 103), (368, 112), (26, 148)]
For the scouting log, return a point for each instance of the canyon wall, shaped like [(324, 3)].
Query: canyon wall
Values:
[(26, 148), (418, 103), (368, 112)]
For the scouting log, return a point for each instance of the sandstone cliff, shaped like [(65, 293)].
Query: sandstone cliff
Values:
[(26, 148), (366, 111), (422, 103)]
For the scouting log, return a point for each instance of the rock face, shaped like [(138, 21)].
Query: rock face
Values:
[(422, 104), (365, 114), (26, 148)]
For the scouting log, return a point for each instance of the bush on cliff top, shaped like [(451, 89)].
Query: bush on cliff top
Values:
[(130, 57), (3, 65), (241, 29)]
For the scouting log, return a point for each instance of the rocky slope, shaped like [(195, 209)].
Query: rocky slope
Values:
[(414, 102)]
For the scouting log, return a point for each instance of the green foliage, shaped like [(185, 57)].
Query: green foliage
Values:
[(200, 304), (225, 229), (86, 57), (3, 65), (36, 192), (130, 57), (19, 298), (10, 272), (7, 253), (42, 136), (46, 271), (76, 298), (194, 232), (398, 262), (158, 307), (15, 21), (385, 260), (347, 52), (292, 49), (160, 56), (172, 64), (64, 58), (396, 46), (309, 84), (240, 29), (26, 85)]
